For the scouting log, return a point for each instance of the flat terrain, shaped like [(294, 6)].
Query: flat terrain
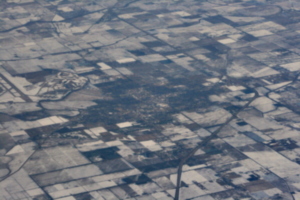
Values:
[(149, 100)]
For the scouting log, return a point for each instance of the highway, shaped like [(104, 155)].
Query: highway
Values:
[(203, 143)]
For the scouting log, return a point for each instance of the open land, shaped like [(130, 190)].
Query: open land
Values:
[(149, 100)]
